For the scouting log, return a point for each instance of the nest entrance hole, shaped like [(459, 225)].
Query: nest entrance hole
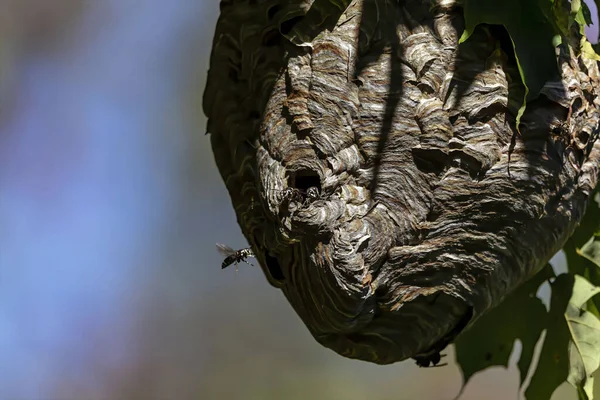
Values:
[(304, 179)]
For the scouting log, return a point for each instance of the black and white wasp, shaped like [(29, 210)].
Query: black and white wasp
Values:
[(303, 197), (234, 256)]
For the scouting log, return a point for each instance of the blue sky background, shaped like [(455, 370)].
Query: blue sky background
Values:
[(110, 207)]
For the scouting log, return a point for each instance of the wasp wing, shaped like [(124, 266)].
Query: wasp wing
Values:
[(225, 250)]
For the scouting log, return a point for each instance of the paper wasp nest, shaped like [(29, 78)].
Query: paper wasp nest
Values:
[(375, 168)]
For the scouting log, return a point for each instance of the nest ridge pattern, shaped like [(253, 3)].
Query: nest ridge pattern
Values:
[(431, 207)]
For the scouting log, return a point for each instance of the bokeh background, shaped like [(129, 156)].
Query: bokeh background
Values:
[(110, 207)]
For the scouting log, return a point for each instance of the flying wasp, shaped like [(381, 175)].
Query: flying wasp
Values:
[(234, 256)]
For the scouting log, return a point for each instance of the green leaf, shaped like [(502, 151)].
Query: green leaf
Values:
[(490, 340), (577, 12), (591, 251), (584, 347), (587, 50), (562, 18), (580, 14), (587, 14), (593, 305), (597, 15), (571, 350), (583, 252), (553, 365), (590, 224), (532, 34)]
